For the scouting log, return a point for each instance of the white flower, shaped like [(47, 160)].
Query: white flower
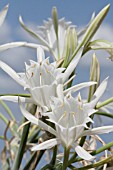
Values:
[(60, 43), (41, 80), (70, 116), (57, 36), (66, 41)]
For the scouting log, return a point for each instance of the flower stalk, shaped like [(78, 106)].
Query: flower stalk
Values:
[(95, 165), (66, 157), (106, 102), (21, 149)]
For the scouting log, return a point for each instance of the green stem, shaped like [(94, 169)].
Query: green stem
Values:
[(106, 102), (3, 118), (7, 109), (16, 94), (21, 149), (54, 156), (2, 137), (32, 158), (93, 153), (97, 164), (37, 160), (52, 162), (34, 136), (105, 114), (66, 156)]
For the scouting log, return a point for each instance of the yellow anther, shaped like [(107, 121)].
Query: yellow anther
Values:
[(68, 96), (80, 107), (32, 74), (65, 113), (73, 113), (62, 104), (47, 63)]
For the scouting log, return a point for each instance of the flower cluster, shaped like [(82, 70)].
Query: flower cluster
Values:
[(58, 108)]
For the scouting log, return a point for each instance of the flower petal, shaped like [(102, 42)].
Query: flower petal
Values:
[(78, 87), (99, 92), (99, 130), (12, 73), (40, 54), (83, 154), (33, 45), (72, 66), (36, 121), (46, 145), (11, 45), (60, 91), (15, 99)]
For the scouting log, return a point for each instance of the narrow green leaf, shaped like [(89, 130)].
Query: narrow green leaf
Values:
[(55, 20), (94, 76), (99, 45), (3, 118), (32, 33), (7, 109), (93, 27)]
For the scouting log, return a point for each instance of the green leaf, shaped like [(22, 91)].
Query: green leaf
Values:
[(93, 27), (32, 33), (94, 76), (100, 45), (55, 20)]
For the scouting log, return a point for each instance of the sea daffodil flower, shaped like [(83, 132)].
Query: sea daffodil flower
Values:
[(58, 36), (70, 116), (41, 79), (61, 38)]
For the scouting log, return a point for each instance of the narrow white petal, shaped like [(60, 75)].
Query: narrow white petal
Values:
[(3, 14), (15, 99), (99, 130), (33, 45), (11, 45), (60, 91), (36, 121), (99, 92), (46, 145), (40, 54), (13, 74), (78, 87), (83, 154), (72, 66)]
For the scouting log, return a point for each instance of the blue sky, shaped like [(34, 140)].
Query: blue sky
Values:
[(78, 11), (34, 12)]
